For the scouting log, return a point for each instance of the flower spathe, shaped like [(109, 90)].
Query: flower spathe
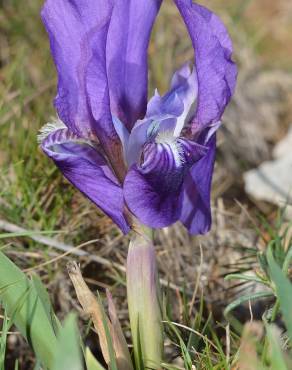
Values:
[(154, 161)]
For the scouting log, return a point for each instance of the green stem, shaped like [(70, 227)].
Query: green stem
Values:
[(275, 310), (144, 300)]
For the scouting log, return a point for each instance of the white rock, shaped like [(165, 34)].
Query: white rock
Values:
[(272, 181), (284, 147)]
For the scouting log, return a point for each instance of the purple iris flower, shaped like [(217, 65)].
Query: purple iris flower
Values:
[(152, 161)]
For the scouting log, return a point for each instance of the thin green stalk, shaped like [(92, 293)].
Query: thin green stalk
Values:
[(275, 310)]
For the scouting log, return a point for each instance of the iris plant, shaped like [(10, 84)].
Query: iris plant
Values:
[(146, 165)]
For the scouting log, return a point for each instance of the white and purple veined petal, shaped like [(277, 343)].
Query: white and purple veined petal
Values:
[(183, 94), (153, 187), (164, 114)]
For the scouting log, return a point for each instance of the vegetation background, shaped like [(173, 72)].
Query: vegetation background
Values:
[(35, 197)]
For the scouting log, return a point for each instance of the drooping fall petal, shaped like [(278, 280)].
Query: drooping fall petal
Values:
[(85, 168), (152, 189), (196, 209)]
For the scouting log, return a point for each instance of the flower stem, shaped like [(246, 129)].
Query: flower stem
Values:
[(144, 301)]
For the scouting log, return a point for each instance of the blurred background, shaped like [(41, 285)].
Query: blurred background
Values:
[(253, 174)]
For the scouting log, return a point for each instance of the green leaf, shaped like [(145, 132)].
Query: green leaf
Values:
[(68, 354), (246, 298), (283, 290), (37, 366), (91, 362), (45, 299), (276, 358), (3, 341), (287, 261), (244, 277), (26, 310), (183, 348), (26, 233)]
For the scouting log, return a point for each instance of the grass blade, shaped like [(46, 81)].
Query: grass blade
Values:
[(246, 298), (277, 358), (91, 362), (23, 305), (68, 353), (284, 291)]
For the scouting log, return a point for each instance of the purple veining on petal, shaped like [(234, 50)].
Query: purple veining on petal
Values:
[(84, 166), (196, 210), (162, 159), (142, 131), (158, 179)]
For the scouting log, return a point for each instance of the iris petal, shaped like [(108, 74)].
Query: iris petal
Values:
[(171, 103), (84, 166), (179, 99), (152, 189), (78, 34), (216, 72), (145, 129), (127, 66), (196, 210), (165, 113), (69, 25)]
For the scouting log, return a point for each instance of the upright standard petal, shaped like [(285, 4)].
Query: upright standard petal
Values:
[(216, 72), (196, 210), (162, 114), (83, 165), (70, 24), (184, 91), (78, 34), (127, 66), (166, 113)]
